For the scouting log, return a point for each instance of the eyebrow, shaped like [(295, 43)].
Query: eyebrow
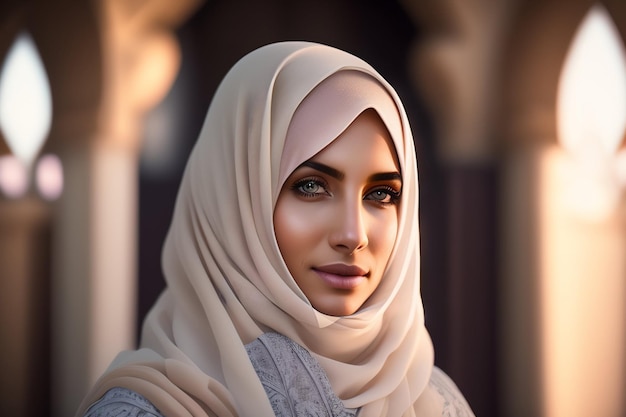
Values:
[(324, 168), (382, 176), (386, 176)]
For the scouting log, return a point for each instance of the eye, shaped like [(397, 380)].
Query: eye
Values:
[(384, 196), (310, 187)]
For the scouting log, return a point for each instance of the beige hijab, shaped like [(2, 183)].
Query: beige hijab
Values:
[(226, 280)]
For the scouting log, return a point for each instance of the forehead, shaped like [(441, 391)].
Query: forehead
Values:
[(366, 144)]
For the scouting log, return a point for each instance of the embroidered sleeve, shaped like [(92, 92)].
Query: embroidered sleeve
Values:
[(454, 404), (294, 382), (122, 402)]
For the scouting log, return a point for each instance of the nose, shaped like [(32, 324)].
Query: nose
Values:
[(349, 233)]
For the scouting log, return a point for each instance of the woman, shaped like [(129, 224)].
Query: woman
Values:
[(292, 261)]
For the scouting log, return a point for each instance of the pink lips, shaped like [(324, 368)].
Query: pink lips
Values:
[(341, 276)]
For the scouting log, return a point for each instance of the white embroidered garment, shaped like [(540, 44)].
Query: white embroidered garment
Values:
[(294, 382), (227, 283), (303, 392)]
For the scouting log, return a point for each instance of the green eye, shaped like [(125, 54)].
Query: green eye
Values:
[(384, 196), (310, 187), (380, 196)]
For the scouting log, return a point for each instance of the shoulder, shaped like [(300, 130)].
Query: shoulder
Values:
[(122, 402), (454, 403)]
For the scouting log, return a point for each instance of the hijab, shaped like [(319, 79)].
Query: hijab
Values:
[(227, 283)]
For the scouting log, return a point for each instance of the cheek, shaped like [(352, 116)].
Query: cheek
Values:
[(287, 225), (386, 233), (295, 230)]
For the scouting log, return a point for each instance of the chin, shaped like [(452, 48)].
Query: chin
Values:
[(338, 309)]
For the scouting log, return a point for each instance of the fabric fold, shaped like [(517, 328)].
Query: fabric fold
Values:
[(227, 283)]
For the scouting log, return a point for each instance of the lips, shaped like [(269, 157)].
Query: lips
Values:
[(341, 276), (342, 269)]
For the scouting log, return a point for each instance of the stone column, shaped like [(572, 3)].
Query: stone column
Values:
[(562, 288), (24, 287), (109, 62), (456, 67)]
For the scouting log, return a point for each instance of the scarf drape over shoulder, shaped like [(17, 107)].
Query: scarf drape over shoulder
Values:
[(226, 280)]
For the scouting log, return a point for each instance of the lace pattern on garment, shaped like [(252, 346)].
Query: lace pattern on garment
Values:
[(454, 403), (294, 381), (122, 402)]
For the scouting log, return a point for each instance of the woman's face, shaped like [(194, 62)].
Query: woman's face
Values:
[(336, 218)]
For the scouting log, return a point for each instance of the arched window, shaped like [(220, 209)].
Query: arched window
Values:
[(591, 115), (25, 120)]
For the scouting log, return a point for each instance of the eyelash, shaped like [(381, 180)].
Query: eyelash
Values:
[(297, 187), (394, 195)]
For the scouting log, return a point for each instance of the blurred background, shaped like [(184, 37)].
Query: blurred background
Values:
[(518, 109)]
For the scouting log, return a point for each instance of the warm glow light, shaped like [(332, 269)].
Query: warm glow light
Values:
[(49, 177), (25, 100), (582, 238), (583, 293), (591, 117), (592, 88), (156, 67), (13, 177)]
